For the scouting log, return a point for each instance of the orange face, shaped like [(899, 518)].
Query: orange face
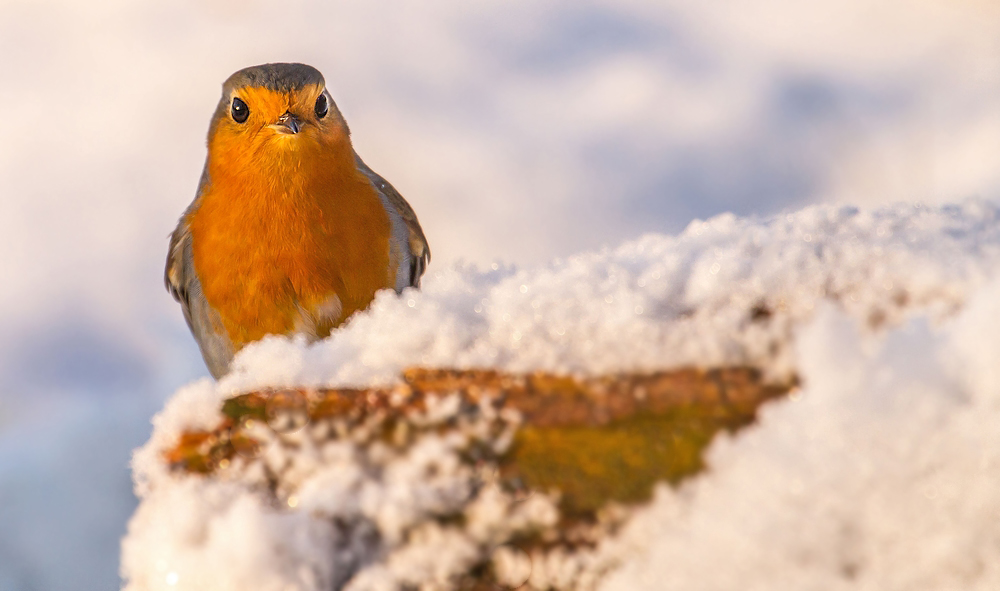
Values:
[(279, 126), (286, 223)]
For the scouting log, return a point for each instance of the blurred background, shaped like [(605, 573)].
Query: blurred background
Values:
[(518, 130)]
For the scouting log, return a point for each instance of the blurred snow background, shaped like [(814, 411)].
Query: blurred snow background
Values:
[(518, 130)]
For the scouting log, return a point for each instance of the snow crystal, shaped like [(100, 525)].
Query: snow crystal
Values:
[(879, 473)]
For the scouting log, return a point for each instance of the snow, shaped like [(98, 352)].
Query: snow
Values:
[(349, 507), (879, 473)]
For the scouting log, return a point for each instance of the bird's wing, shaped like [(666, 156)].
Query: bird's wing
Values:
[(178, 271), (419, 252), (182, 282), (179, 274)]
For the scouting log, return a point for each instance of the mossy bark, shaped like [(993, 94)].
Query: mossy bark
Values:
[(592, 440)]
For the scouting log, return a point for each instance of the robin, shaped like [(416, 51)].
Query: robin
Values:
[(290, 231)]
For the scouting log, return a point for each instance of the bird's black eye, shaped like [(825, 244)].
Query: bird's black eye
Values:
[(240, 111), (322, 106)]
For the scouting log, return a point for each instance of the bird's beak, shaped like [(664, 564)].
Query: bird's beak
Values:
[(287, 124)]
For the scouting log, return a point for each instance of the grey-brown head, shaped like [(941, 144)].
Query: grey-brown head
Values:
[(297, 91)]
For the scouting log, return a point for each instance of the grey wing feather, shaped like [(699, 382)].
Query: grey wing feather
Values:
[(183, 283), (419, 251)]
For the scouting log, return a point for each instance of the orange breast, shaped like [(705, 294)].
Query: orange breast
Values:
[(279, 232)]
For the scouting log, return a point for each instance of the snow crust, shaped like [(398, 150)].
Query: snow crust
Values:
[(878, 474)]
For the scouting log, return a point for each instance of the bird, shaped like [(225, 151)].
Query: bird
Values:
[(290, 232)]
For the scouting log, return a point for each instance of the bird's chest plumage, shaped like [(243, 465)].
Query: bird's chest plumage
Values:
[(279, 251)]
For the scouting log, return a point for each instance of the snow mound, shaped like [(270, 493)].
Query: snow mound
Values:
[(876, 475)]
